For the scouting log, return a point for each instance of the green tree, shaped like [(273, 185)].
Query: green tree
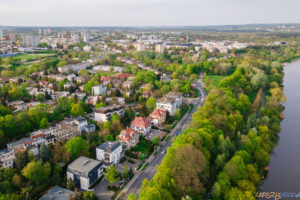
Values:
[(88, 195), (132, 197), (155, 140), (125, 174), (112, 175), (151, 104), (100, 105), (36, 172), (76, 146), (70, 184), (44, 153), (44, 123), (76, 110), (108, 138)]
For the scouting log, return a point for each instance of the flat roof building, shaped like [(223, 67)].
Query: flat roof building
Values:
[(58, 193), (84, 172)]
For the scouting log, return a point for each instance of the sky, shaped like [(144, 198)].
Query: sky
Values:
[(146, 12)]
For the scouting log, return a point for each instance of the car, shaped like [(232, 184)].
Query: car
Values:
[(163, 152)]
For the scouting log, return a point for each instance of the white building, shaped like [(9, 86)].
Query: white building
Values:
[(160, 48), (84, 125), (104, 114), (99, 90), (87, 48), (141, 125), (31, 40), (109, 152), (7, 157), (140, 47), (171, 102), (86, 37), (84, 172)]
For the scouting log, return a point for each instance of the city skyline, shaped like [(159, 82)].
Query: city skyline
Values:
[(147, 13)]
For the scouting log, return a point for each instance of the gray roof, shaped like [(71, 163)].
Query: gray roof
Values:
[(4, 151), (80, 119), (83, 165), (109, 146), (57, 193)]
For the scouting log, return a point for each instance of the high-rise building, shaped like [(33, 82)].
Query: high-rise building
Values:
[(49, 31), (31, 40), (86, 37), (140, 47), (160, 48), (1, 33), (40, 31)]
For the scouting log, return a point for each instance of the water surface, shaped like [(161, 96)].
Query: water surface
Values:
[(284, 174)]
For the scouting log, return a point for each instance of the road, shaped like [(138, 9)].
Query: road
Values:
[(150, 170)]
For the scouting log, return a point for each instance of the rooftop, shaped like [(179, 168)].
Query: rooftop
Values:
[(83, 165), (109, 146), (57, 193)]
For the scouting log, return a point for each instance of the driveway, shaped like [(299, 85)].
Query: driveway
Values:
[(101, 191)]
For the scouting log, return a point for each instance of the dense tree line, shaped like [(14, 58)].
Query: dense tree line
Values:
[(227, 148)]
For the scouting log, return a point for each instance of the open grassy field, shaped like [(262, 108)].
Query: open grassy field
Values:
[(32, 56), (216, 78)]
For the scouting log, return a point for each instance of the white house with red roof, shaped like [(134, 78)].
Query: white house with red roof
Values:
[(105, 80), (158, 116), (141, 125), (128, 138)]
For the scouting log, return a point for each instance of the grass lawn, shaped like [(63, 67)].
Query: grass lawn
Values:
[(32, 56), (144, 146), (216, 78)]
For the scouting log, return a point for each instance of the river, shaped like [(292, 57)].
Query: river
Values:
[(284, 174)]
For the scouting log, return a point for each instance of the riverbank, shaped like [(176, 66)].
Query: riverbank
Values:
[(284, 163)]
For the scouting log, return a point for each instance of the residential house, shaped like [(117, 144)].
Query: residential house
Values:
[(105, 80), (73, 68), (84, 125), (68, 85), (127, 84), (99, 90), (65, 130), (92, 100), (128, 138), (7, 158), (116, 83), (103, 114), (118, 100), (109, 152), (107, 68), (80, 79), (79, 95), (71, 77), (141, 125), (158, 116), (171, 102), (84, 172), (56, 95)]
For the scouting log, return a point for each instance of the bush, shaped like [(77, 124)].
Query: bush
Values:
[(123, 159), (131, 154), (131, 161)]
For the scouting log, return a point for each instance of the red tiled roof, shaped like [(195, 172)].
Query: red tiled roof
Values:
[(158, 113), (105, 78), (127, 132), (38, 135), (141, 122), (123, 75)]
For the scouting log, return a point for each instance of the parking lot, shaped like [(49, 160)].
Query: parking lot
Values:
[(154, 133)]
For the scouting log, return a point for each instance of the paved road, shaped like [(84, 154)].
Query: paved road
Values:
[(150, 171)]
